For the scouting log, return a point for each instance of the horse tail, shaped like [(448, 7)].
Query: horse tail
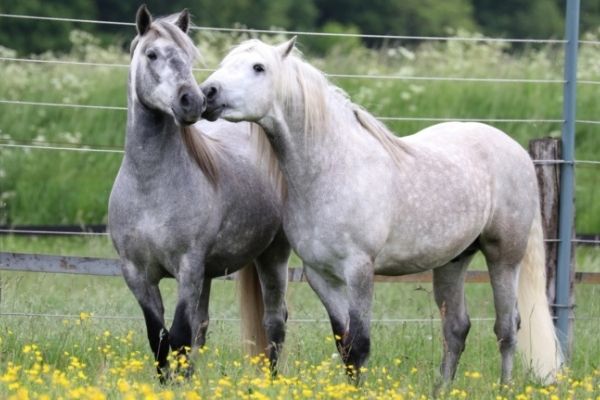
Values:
[(254, 335), (537, 339)]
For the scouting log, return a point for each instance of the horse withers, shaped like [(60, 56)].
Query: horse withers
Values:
[(362, 202), (189, 205)]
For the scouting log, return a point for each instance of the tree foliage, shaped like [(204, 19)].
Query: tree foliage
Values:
[(508, 18)]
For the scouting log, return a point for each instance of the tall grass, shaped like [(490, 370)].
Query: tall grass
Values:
[(404, 359), (54, 187)]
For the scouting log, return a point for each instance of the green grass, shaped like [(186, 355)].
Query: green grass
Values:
[(406, 333), (409, 350)]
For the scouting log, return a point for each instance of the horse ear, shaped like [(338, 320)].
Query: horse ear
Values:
[(183, 21), (286, 48), (143, 19)]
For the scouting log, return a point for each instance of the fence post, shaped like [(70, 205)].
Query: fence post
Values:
[(565, 223), (547, 149), (548, 171)]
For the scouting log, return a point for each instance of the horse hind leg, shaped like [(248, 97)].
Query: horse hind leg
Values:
[(449, 293), (503, 266)]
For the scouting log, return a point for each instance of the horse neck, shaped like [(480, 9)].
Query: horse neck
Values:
[(153, 140), (304, 155)]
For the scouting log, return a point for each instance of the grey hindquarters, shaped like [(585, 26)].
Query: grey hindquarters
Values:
[(504, 243), (512, 199)]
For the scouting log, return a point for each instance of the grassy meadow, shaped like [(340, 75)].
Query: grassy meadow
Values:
[(83, 337), (94, 345)]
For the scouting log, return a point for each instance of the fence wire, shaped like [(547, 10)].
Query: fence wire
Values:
[(238, 320), (330, 75), (300, 33), (95, 149)]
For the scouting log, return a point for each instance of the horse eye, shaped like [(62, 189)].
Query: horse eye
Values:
[(151, 55), (258, 68)]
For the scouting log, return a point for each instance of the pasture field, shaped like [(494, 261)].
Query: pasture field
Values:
[(94, 346), (83, 337), (55, 187)]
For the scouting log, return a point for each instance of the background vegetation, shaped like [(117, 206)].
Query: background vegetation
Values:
[(509, 18), (67, 187)]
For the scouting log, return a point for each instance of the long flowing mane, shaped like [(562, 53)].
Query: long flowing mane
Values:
[(316, 93), (205, 151), (268, 162)]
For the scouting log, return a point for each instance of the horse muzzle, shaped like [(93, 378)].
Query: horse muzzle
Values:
[(213, 107), (189, 106)]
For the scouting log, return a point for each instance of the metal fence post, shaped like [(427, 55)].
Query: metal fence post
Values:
[(565, 223)]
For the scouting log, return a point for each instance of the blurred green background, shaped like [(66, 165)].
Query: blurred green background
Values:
[(40, 186)]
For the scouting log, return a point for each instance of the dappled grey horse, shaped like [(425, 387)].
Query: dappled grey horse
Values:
[(188, 205), (362, 202)]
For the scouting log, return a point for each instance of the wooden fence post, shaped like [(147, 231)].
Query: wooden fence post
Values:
[(547, 152)]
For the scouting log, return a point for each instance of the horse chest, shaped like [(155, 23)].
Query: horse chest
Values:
[(152, 237), (150, 228)]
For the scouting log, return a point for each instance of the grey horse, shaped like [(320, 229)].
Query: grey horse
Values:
[(362, 202), (188, 205)]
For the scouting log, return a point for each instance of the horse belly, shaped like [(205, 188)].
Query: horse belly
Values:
[(424, 243), (393, 262), (236, 247), (245, 232)]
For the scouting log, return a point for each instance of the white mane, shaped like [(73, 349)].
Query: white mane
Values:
[(315, 97)]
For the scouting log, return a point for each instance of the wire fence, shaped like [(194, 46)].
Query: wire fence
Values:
[(85, 148), (456, 79)]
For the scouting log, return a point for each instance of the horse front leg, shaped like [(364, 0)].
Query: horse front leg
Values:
[(190, 321), (346, 291), (272, 267), (148, 296)]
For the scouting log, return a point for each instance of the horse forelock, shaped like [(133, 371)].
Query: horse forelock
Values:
[(165, 28)]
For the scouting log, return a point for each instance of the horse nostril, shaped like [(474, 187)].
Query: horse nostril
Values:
[(184, 100), (212, 92)]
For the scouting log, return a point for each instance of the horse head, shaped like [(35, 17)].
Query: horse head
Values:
[(245, 85), (162, 56)]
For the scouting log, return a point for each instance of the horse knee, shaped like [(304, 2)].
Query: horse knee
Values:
[(506, 333), (455, 334)]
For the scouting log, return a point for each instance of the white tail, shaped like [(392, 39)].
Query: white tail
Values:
[(537, 339), (254, 336)]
